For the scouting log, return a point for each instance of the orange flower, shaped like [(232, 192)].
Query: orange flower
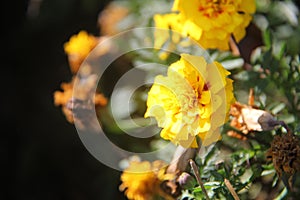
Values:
[(110, 17), (67, 97), (142, 180), (78, 48)]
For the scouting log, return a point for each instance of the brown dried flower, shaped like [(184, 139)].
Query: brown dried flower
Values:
[(285, 155), (248, 118), (75, 103)]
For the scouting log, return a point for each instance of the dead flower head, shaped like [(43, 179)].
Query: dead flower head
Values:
[(248, 118), (76, 104), (285, 155)]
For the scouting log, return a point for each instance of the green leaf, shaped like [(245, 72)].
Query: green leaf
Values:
[(217, 176), (278, 108), (267, 38)]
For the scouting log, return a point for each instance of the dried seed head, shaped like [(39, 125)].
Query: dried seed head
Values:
[(285, 155)]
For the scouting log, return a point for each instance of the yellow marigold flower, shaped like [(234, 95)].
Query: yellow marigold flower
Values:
[(162, 35), (141, 180), (78, 48), (210, 22), (192, 100)]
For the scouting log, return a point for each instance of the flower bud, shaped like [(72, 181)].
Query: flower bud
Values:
[(186, 181)]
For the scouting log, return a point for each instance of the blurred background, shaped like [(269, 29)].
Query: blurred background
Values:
[(42, 155)]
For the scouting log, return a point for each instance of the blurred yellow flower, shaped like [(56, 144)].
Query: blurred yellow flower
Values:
[(210, 22), (192, 100), (141, 180), (78, 48), (161, 35)]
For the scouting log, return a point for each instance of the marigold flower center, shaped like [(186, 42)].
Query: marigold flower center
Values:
[(206, 86), (212, 8)]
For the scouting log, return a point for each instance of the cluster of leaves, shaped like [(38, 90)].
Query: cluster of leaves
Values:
[(275, 65), (282, 73)]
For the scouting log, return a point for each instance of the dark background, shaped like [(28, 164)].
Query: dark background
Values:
[(42, 156)]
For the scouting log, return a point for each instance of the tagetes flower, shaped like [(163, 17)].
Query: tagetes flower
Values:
[(285, 156), (248, 118), (210, 22), (67, 95), (78, 48), (192, 100), (61, 98), (142, 180), (110, 18), (161, 34)]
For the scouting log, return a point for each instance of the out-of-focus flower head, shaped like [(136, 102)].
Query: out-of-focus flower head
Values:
[(161, 34), (61, 98), (209, 22), (192, 100), (142, 180), (110, 18), (285, 155), (78, 48), (68, 96)]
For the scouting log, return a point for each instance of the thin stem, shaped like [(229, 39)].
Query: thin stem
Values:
[(231, 189), (199, 180)]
